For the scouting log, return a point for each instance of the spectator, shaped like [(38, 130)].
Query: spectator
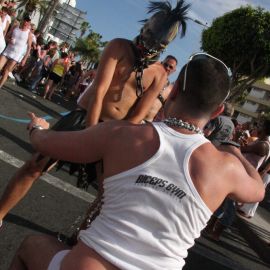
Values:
[(58, 71), (18, 49), (156, 112)]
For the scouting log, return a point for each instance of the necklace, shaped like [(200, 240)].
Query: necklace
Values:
[(174, 122), (142, 61)]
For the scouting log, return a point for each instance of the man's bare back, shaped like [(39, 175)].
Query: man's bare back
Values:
[(116, 81)]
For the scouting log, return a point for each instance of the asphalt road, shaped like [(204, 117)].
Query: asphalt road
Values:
[(53, 204)]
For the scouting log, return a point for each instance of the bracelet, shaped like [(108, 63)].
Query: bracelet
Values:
[(35, 127)]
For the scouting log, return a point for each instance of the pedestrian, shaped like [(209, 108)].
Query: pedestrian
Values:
[(221, 130), (127, 81), (17, 50), (2, 35), (169, 64), (58, 70), (257, 153), (157, 199), (6, 19)]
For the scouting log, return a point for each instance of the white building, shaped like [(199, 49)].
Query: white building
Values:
[(256, 104), (36, 17)]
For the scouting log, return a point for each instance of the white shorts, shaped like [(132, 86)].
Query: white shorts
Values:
[(57, 259)]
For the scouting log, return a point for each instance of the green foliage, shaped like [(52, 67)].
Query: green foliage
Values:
[(85, 26), (241, 38), (89, 48), (33, 5)]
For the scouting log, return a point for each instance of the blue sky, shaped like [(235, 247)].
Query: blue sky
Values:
[(120, 18)]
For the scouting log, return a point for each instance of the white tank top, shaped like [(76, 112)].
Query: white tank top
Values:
[(17, 49), (2, 38), (151, 213), (6, 20)]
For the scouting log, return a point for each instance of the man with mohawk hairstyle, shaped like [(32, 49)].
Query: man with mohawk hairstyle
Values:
[(127, 82), (126, 62)]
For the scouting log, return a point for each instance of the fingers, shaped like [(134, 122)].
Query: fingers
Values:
[(31, 115), (37, 121)]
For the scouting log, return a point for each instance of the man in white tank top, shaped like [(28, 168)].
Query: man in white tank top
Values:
[(160, 185)]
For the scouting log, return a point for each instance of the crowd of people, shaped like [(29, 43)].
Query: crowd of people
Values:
[(33, 62), (157, 167), (253, 139)]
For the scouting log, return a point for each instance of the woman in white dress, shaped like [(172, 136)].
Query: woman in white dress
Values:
[(17, 51)]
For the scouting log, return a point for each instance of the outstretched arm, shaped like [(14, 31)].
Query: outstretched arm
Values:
[(83, 146)]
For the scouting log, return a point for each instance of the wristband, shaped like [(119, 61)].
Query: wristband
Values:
[(35, 127)]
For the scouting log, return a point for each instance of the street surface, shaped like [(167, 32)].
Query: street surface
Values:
[(54, 203)]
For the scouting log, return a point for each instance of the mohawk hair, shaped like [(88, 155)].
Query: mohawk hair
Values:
[(172, 18)]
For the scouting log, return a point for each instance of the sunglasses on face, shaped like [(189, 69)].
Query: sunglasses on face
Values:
[(202, 55), (166, 65)]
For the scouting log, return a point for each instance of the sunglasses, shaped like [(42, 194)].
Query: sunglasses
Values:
[(168, 66), (202, 55)]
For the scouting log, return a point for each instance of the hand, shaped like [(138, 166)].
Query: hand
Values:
[(229, 149), (37, 121), (12, 41), (23, 62)]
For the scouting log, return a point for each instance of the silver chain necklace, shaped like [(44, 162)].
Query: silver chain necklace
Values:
[(174, 122)]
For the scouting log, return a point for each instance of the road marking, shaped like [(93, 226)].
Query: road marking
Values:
[(50, 179), (26, 121)]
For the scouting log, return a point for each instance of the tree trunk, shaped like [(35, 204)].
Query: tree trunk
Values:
[(47, 16)]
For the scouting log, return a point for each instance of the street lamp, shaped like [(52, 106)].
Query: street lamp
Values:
[(198, 22)]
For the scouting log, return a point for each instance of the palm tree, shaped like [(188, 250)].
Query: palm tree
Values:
[(85, 26), (33, 5), (48, 15), (89, 48)]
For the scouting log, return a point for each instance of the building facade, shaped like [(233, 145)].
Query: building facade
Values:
[(65, 24), (256, 104)]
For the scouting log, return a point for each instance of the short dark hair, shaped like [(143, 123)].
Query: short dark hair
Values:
[(207, 85), (266, 127), (27, 18), (40, 40), (171, 57), (64, 55)]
